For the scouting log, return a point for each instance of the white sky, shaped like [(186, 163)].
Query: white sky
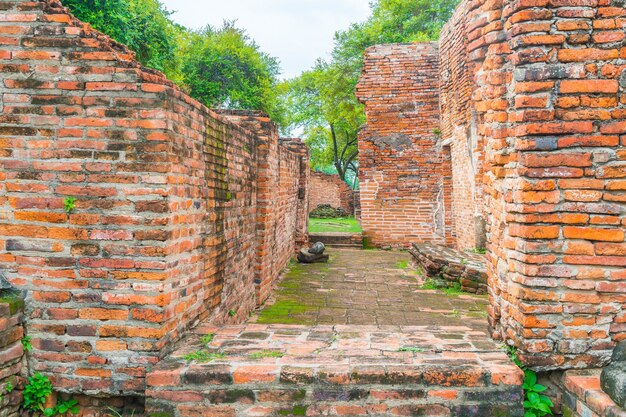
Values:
[(297, 32)]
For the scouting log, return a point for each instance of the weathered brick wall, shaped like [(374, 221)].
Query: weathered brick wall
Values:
[(330, 189), (165, 229), (533, 131), (549, 100), (400, 167), (11, 354), (459, 133)]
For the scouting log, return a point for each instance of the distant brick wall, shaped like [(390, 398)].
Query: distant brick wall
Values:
[(11, 354), (400, 167), (330, 189), (172, 199)]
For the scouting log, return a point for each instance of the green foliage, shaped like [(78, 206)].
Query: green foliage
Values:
[(225, 68), (266, 354), (322, 100), (221, 67), (69, 204), (62, 408), (144, 26), (36, 391), (535, 403), (9, 387), (232, 313), (27, 344), (326, 211)]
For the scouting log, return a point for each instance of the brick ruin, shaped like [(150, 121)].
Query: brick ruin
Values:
[(330, 189), (182, 214), (508, 134), (527, 131), (522, 105)]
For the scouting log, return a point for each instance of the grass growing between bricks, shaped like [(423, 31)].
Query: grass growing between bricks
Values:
[(346, 225)]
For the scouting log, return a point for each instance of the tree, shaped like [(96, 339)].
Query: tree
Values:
[(144, 26), (225, 68), (322, 100), (219, 67)]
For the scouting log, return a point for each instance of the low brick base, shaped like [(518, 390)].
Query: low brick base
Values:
[(337, 371), (338, 239), (583, 397), (466, 268)]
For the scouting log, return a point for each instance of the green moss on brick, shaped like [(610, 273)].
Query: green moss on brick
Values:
[(15, 303)]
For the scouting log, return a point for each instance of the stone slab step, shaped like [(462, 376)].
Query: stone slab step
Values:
[(284, 370), (463, 267), (338, 239)]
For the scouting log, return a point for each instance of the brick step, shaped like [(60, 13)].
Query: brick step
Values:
[(338, 239), (283, 370)]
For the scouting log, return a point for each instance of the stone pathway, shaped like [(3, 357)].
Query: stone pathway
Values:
[(359, 336), (368, 287), (259, 370)]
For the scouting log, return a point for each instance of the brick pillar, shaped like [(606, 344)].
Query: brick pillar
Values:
[(400, 167), (551, 96)]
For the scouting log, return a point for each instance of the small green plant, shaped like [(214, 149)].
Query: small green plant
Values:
[(266, 354), (69, 203), (36, 391), (535, 403), (404, 264), (116, 413), (454, 290), (413, 349), (207, 339), (437, 131), (204, 356), (9, 387), (430, 284), (232, 313), (27, 344), (62, 408), (481, 251), (463, 261)]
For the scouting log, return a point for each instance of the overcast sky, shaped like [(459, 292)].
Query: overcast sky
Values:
[(297, 32)]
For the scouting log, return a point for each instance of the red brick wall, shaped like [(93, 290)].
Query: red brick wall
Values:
[(549, 102), (533, 133), (459, 133), (330, 189), (165, 231), (11, 354), (400, 167)]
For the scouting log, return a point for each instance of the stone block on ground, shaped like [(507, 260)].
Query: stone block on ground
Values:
[(613, 377), (306, 257), (441, 263)]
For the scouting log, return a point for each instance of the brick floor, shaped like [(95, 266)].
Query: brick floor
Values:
[(357, 336), (368, 287), (272, 370)]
